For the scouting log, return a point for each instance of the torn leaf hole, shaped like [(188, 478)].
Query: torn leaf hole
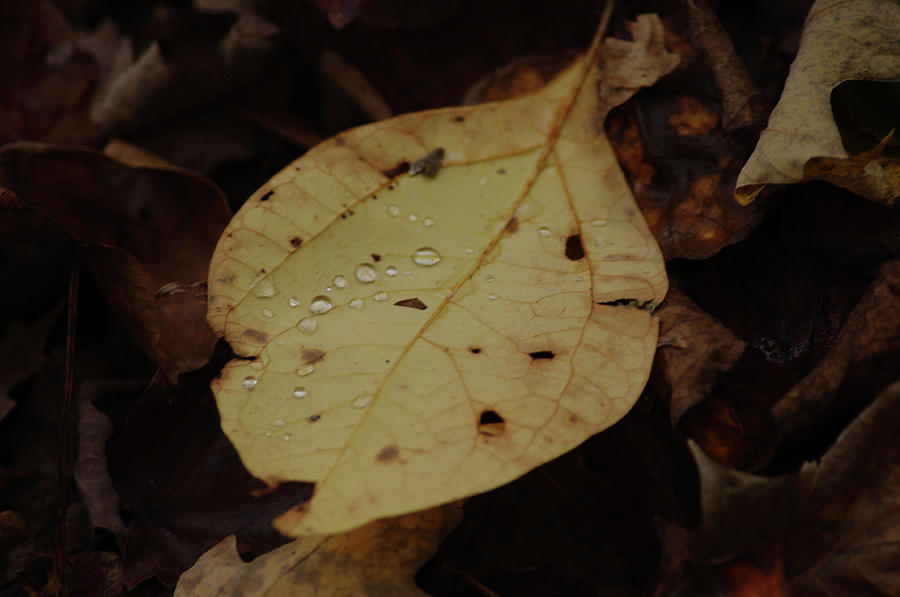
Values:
[(491, 423), (649, 305), (413, 303), (397, 170), (574, 248), (267, 196), (474, 350), (542, 354)]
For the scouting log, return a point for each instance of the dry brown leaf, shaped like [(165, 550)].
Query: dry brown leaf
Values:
[(842, 40), (535, 268), (380, 558)]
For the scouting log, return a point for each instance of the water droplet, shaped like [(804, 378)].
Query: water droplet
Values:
[(339, 281), (599, 241), (328, 289), (306, 369), (428, 222), (366, 273), (426, 257), (264, 288), (362, 402), (469, 250), (278, 423), (249, 382), (579, 279), (287, 437), (380, 297), (483, 181), (393, 211), (543, 232), (256, 365), (268, 313), (268, 434), (413, 217), (357, 304), (294, 301), (299, 392), (320, 304), (492, 297), (598, 222), (391, 270), (489, 278), (308, 326)]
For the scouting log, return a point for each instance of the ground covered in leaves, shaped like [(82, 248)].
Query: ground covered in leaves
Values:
[(761, 458)]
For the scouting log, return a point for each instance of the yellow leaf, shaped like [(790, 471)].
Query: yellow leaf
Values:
[(842, 40), (417, 339), (380, 558)]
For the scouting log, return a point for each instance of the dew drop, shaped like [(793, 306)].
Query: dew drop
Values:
[(413, 217), (579, 279), (543, 232), (268, 313), (598, 222), (306, 369), (339, 281), (362, 402), (278, 423), (249, 382), (393, 211), (426, 257), (328, 289), (256, 365), (264, 289), (357, 304), (308, 326), (489, 278), (391, 270), (320, 304), (492, 297), (366, 273), (469, 250), (294, 301), (287, 437), (599, 241), (299, 392), (380, 297), (428, 222), (483, 181), (268, 434)]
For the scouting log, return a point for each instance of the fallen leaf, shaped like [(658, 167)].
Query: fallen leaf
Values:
[(523, 247), (870, 174), (842, 40), (380, 558), (144, 227), (695, 351)]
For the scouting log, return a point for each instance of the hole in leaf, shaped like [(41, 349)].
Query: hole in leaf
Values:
[(267, 196), (413, 303), (296, 241), (490, 423), (574, 248), (542, 354), (376, 257), (474, 349)]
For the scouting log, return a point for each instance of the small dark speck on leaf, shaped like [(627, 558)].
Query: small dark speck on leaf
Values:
[(501, 170), (459, 119), (296, 241), (429, 165), (474, 349), (267, 196), (388, 453), (413, 303), (574, 248), (396, 170), (542, 354), (376, 257), (314, 418), (312, 355), (513, 225)]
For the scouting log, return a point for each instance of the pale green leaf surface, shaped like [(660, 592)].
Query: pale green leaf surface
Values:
[(380, 406)]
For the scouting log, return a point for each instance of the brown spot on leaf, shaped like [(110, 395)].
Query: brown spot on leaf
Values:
[(312, 355), (397, 170), (388, 454), (376, 257), (413, 303), (255, 335), (459, 119), (542, 354), (339, 141), (296, 241), (513, 225), (491, 423), (574, 248)]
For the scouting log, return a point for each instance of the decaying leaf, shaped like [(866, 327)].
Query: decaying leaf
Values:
[(842, 40), (380, 558), (524, 250)]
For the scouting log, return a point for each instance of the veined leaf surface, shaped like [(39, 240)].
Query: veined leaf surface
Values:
[(418, 339)]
